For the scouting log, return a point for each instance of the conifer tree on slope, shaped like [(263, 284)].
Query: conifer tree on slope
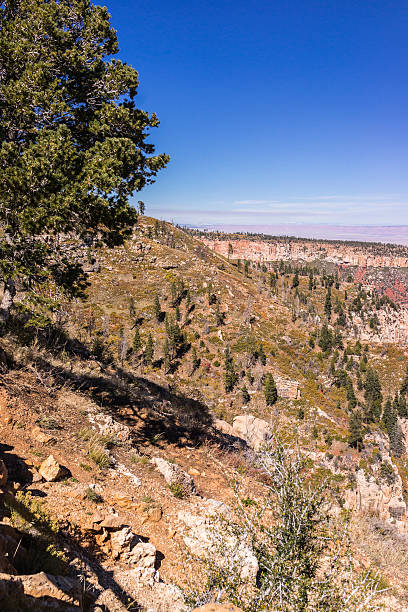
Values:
[(72, 142)]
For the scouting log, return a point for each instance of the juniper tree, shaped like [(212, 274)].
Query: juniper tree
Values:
[(73, 144), (245, 395), (230, 375)]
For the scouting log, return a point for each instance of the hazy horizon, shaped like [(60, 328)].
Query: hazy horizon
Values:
[(392, 234)]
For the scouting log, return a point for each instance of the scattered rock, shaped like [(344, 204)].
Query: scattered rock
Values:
[(51, 470), (174, 475), (121, 541), (40, 436), (123, 500), (109, 427), (112, 522)]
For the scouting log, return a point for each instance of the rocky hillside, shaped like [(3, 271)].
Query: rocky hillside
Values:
[(127, 417)]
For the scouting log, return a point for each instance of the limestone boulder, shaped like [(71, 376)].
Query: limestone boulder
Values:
[(256, 432), (141, 556), (174, 475), (51, 470), (205, 536)]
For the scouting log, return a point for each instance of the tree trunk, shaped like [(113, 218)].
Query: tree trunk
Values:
[(8, 300)]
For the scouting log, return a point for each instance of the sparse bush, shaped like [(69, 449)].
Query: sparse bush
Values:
[(40, 531), (93, 496), (99, 456), (289, 549), (178, 490)]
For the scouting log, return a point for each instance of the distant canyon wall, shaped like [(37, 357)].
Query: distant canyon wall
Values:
[(337, 253)]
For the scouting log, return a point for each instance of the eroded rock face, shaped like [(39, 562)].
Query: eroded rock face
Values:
[(287, 388), (342, 254), (174, 475), (51, 470), (256, 432), (374, 496)]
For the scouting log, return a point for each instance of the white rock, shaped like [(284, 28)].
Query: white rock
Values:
[(256, 432), (173, 474)]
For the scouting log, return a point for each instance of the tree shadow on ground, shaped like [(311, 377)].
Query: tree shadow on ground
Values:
[(153, 411)]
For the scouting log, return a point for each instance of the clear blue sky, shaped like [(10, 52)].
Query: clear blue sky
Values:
[(286, 112)]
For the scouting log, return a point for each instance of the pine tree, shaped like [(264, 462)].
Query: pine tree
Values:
[(402, 406), (351, 398), (270, 390), (149, 350), (137, 342), (311, 281), (295, 281), (389, 417), (397, 441), (157, 308), (356, 432), (178, 314), (195, 361), (261, 355), (373, 395), (219, 315), (166, 355), (328, 304), (325, 339)]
